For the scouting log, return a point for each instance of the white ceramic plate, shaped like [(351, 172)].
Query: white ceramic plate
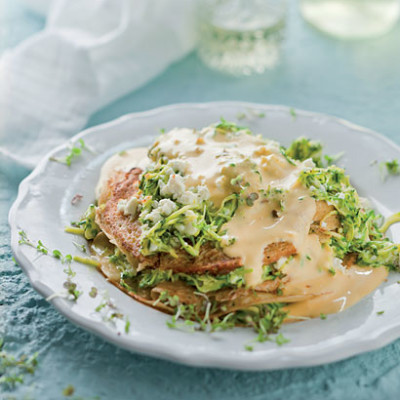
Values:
[(43, 208)]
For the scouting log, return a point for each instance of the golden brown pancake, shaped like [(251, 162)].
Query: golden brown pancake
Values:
[(124, 232)]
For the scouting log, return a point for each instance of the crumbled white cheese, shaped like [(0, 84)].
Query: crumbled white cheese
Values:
[(188, 198), (169, 171), (129, 206), (180, 166), (153, 247), (121, 205), (220, 181), (188, 227), (194, 196), (190, 216), (203, 193), (323, 224), (281, 262), (166, 207), (155, 216), (341, 195), (175, 187), (309, 163), (227, 240), (337, 264)]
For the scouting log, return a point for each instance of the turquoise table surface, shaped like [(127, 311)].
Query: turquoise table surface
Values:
[(358, 81)]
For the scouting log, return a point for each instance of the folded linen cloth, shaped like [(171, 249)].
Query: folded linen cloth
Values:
[(89, 54)]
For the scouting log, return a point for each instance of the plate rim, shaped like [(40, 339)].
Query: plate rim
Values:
[(252, 361)]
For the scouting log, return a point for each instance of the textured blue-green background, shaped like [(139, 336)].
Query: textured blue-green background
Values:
[(357, 81)]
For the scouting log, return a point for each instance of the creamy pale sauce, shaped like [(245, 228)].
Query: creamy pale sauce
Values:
[(336, 293), (255, 228), (214, 159), (122, 161), (209, 156)]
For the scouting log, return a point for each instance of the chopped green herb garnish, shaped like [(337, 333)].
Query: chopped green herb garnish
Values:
[(251, 198), (74, 152), (237, 181), (41, 248), (277, 195), (80, 247), (248, 348), (100, 306), (289, 159), (332, 271), (68, 391), (265, 319), (380, 312), (330, 160), (23, 239), (127, 326), (72, 289), (93, 292), (69, 272), (293, 112), (13, 370), (281, 340), (224, 127), (390, 167), (250, 114), (57, 254)]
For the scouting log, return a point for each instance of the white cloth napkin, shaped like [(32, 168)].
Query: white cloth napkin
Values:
[(90, 53)]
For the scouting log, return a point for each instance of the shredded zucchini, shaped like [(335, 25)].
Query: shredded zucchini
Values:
[(189, 226), (359, 232), (204, 283)]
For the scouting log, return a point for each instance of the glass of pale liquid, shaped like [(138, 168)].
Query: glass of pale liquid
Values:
[(351, 19), (241, 37)]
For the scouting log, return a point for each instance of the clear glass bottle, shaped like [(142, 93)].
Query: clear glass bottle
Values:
[(241, 37), (351, 19)]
